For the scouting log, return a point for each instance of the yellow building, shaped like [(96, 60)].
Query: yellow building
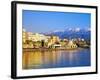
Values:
[(53, 40), (71, 45), (30, 36), (36, 37), (24, 36)]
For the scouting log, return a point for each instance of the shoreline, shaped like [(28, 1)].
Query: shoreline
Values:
[(48, 49)]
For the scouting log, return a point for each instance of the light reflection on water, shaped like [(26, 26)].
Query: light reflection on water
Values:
[(55, 58)]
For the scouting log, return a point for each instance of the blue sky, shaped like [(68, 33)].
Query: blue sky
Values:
[(43, 21)]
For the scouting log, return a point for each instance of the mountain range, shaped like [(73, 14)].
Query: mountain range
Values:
[(71, 33)]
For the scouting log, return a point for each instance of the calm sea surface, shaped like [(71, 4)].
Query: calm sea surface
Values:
[(56, 58)]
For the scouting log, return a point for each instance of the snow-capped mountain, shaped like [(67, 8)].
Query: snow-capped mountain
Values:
[(70, 33)]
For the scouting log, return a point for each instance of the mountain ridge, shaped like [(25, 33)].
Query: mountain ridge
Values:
[(71, 33)]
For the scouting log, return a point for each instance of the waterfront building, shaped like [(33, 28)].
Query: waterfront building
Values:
[(53, 40), (65, 40), (36, 37), (71, 45), (56, 45), (30, 36), (24, 35)]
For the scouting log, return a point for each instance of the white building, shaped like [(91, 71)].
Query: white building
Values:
[(37, 37)]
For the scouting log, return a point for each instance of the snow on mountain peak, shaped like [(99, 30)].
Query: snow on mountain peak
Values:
[(77, 29)]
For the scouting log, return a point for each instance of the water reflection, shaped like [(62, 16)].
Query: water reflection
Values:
[(56, 58)]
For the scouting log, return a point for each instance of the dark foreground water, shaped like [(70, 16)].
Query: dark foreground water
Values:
[(56, 59)]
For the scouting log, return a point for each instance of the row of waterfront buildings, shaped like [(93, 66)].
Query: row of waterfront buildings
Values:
[(36, 40)]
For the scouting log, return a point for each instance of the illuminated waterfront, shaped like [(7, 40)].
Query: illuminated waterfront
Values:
[(56, 58)]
